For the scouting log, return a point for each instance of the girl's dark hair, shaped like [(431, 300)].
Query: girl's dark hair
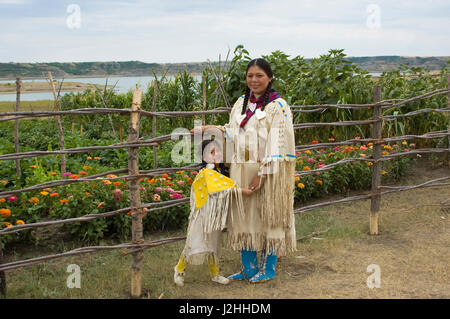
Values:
[(206, 143), (265, 66)]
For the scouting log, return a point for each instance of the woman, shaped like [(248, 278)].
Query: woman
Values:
[(263, 160)]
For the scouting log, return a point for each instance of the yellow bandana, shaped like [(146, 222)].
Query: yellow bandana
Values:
[(209, 181)]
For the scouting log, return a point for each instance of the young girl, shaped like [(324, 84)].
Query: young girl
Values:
[(211, 195)]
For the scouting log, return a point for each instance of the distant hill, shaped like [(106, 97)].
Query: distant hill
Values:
[(137, 68), (389, 63)]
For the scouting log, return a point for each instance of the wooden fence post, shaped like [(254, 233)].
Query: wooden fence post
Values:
[(376, 167), (60, 130), (16, 126), (445, 159), (135, 198), (204, 99), (155, 94), (2, 275)]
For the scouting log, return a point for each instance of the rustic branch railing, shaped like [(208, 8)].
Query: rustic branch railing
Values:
[(138, 210)]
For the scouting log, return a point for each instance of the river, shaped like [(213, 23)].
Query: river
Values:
[(124, 84)]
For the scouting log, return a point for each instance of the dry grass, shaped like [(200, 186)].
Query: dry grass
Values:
[(411, 250)]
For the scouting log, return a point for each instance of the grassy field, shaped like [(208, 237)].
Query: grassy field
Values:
[(411, 251)]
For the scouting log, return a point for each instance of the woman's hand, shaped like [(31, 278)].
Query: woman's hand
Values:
[(247, 192), (201, 129), (257, 182)]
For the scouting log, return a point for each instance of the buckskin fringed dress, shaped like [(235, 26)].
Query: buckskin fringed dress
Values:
[(265, 145)]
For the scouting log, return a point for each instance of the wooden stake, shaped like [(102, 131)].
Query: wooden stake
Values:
[(16, 126), (445, 159), (58, 122), (81, 129), (204, 99), (155, 94), (376, 167), (135, 198), (2, 275)]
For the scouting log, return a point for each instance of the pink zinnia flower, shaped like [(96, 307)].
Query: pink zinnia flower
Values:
[(181, 183), (406, 150), (320, 165), (67, 174), (176, 196), (156, 197), (194, 173), (310, 160), (117, 193), (170, 190), (12, 198), (158, 189), (336, 149)]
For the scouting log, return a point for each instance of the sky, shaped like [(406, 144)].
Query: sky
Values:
[(173, 31)]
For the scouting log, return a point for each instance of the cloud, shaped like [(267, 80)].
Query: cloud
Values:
[(181, 31)]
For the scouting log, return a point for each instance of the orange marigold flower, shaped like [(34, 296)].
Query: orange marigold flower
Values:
[(179, 172), (385, 153), (44, 193), (130, 213), (4, 182), (107, 182), (33, 166), (111, 176), (97, 158), (318, 181), (6, 224), (54, 194), (87, 194), (20, 222), (4, 212), (369, 164), (52, 174), (383, 172), (314, 142), (301, 185), (117, 183), (308, 152), (306, 168), (190, 180), (101, 205), (34, 200), (89, 158), (74, 176), (165, 175), (86, 167), (64, 201), (297, 178), (2, 200), (82, 173)]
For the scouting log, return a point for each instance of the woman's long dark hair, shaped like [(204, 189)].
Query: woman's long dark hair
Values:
[(265, 66)]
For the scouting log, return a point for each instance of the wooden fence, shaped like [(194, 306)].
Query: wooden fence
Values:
[(133, 174)]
